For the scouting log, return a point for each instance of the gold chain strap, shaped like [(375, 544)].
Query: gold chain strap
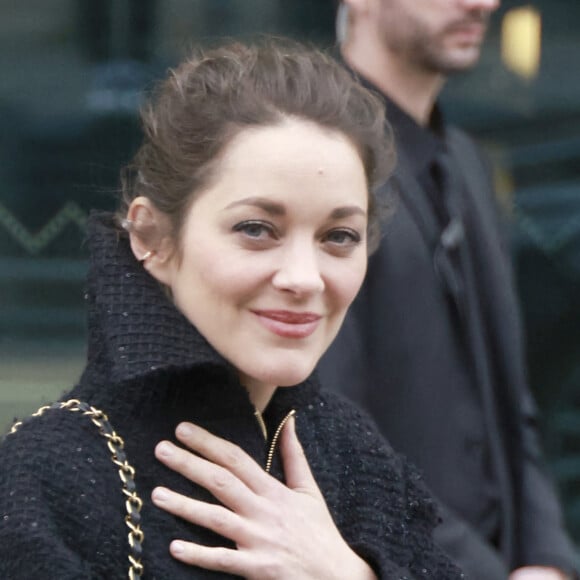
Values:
[(115, 443)]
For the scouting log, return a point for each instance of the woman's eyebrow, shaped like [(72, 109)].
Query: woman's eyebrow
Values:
[(267, 205), (347, 211), (278, 209)]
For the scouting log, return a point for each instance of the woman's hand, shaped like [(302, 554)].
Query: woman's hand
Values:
[(281, 531)]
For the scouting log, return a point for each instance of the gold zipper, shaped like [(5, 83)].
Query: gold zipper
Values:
[(275, 440), (262, 424)]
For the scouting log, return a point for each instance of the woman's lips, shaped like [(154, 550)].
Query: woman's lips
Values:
[(289, 324)]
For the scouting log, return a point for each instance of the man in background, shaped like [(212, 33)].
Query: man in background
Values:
[(432, 346)]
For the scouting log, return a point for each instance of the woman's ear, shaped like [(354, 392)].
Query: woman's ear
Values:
[(150, 239)]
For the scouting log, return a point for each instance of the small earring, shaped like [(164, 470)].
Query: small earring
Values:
[(127, 224), (146, 256)]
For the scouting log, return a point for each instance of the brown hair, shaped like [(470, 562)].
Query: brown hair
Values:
[(193, 115)]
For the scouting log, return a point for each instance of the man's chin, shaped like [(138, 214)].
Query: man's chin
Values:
[(459, 62)]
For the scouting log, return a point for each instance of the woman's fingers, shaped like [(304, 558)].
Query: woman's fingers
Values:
[(224, 453), (220, 559), (213, 517), (220, 482), (232, 562), (296, 469), (280, 531)]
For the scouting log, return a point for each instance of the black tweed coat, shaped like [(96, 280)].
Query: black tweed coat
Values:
[(61, 507)]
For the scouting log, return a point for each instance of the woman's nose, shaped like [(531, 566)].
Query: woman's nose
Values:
[(299, 270)]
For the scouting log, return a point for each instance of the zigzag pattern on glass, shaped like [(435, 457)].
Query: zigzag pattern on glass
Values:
[(34, 243)]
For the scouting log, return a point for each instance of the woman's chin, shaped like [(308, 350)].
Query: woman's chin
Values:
[(287, 377)]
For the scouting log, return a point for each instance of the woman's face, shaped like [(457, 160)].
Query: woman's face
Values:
[(273, 252)]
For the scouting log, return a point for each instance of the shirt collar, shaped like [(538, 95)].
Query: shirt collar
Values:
[(419, 144)]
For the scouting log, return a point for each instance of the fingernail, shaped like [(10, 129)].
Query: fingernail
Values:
[(164, 449), (159, 495), (177, 547), (184, 430)]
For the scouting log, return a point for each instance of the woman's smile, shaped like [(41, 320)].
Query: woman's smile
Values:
[(289, 324)]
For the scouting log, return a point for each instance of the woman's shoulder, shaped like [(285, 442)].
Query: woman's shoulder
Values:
[(58, 489), (357, 440), (335, 413), (382, 504), (56, 447), (342, 438)]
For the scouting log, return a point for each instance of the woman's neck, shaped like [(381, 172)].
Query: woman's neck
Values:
[(260, 393)]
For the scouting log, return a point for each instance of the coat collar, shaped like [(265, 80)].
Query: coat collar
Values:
[(417, 148), (134, 329)]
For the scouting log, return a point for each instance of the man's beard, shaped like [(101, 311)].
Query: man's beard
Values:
[(431, 53)]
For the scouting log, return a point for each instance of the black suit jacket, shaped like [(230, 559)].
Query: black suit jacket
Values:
[(438, 363)]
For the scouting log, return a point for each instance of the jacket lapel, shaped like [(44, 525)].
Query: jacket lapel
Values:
[(412, 196)]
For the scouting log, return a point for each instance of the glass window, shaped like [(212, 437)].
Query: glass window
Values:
[(523, 103), (73, 75)]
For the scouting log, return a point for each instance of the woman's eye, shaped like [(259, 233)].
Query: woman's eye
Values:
[(255, 229), (343, 237)]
